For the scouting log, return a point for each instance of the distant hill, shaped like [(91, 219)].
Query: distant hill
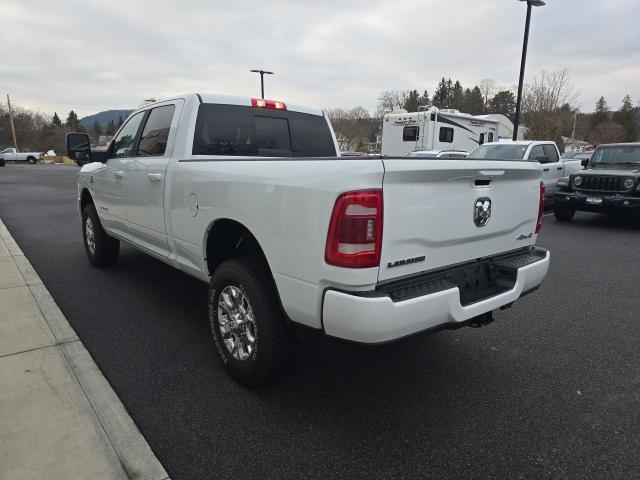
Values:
[(104, 117)]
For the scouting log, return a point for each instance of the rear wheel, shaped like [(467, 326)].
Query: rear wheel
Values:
[(102, 250), (31, 160), (564, 213), (246, 321)]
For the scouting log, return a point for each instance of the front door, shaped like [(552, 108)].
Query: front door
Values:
[(108, 182), (145, 179)]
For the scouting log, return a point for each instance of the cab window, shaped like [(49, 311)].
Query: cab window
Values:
[(537, 154), (551, 153), (126, 137), (153, 141)]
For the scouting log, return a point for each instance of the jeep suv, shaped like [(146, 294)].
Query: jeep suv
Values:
[(609, 183)]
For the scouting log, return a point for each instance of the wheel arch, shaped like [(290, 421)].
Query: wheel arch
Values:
[(226, 239), (85, 199)]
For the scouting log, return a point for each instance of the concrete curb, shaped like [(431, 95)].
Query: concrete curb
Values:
[(126, 448)]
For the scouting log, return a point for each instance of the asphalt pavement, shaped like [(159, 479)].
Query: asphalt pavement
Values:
[(551, 389)]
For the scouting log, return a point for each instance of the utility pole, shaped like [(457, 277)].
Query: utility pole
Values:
[(573, 132), (523, 61), (13, 128), (262, 74)]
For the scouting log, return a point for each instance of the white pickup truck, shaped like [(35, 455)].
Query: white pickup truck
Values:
[(544, 152), (12, 155), (249, 196)]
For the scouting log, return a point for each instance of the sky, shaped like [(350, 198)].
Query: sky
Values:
[(91, 56)]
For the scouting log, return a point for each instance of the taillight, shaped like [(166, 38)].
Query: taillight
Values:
[(272, 104), (355, 230), (540, 208)]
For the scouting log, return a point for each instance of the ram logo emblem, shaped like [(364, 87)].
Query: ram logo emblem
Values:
[(482, 211)]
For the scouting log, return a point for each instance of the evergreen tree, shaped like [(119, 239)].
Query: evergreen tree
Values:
[(457, 97), (441, 96), (55, 121), (110, 128), (601, 114), (474, 101), (503, 102), (97, 128), (625, 117), (72, 121), (424, 100), (412, 101)]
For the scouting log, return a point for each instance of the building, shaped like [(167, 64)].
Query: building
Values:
[(572, 145)]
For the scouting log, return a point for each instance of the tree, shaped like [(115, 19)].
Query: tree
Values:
[(601, 114), (487, 87), (457, 97), (72, 121), (120, 121), (412, 101), (390, 100), (442, 93), (503, 102), (626, 118), (97, 128), (607, 132), (354, 128), (473, 101), (55, 121), (110, 129), (547, 106)]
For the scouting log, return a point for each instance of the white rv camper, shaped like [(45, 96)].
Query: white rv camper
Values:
[(434, 129)]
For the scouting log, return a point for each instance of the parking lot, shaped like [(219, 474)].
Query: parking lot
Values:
[(551, 389)]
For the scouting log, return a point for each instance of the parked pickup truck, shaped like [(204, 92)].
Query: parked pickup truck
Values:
[(546, 153), (609, 183), (12, 155), (249, 196)]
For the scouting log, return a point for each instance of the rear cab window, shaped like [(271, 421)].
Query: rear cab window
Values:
[(236, 130)]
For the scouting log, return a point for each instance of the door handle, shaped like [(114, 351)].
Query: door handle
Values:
[(559, 168), (545, 169), (155, 177), (119, 173)]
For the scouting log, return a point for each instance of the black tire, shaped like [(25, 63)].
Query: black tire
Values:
[(251, 278), (31, 160), (1, 162), (563, 213), (106, 249)]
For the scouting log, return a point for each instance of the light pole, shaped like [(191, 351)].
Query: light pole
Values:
[(262, 74), (525, 44)]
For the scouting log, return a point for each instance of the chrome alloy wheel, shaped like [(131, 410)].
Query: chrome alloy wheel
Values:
[(90, 235), (237, 323)]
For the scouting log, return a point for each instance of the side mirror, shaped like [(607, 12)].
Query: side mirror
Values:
[(78, 148), (542, 159), (584, 162)]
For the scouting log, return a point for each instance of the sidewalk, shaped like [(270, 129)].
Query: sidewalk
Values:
[(59, 417)]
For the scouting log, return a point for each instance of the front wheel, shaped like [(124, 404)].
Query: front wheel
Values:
[(246, 321), (31, 160), (564, 213), (102, 250)]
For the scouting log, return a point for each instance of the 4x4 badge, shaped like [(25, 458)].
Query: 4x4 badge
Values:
[(482, 211)]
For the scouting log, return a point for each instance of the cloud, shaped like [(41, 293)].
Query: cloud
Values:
[(90, 56)]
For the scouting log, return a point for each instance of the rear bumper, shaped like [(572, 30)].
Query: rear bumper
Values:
[(378, 319), (610, 203)]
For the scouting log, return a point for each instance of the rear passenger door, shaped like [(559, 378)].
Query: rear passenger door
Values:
[(145, 178)]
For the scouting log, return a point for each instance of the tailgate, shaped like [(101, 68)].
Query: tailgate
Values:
[(454, 211)]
